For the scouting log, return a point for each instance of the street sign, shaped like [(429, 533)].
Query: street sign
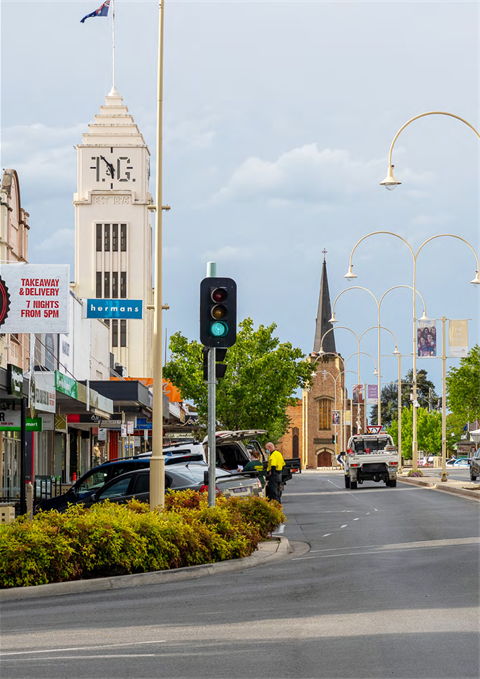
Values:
[(374, 428)]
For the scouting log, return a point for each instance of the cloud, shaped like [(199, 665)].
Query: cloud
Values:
[(306, 175), (185, 136), (44, 158), (229, 253), (57, 248)]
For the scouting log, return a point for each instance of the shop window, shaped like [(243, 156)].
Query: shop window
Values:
[(99, 238), (107, 237), (114, 332), (123, 333), (114, 237)]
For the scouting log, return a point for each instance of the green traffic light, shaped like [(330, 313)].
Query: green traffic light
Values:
[(218, 329)]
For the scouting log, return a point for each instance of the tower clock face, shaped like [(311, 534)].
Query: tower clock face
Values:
[(111, 167)]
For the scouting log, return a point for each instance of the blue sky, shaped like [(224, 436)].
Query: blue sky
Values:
[(278, 121)]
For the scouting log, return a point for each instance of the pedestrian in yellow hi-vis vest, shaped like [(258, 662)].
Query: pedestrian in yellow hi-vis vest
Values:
[(274, 472)]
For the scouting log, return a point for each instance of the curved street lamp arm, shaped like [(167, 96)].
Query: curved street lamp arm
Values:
[(382, 327), (355, 353), (422, 115), (340, 327), (353, 287), (374, 233), (404, 286), (451, 235)]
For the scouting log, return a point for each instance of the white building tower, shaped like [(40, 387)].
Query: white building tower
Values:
[(113, 230)]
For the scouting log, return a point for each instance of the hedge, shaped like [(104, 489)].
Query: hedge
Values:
[(112, 539)]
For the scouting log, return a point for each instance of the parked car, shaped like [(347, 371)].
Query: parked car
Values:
[(475, 465), (136, 484), (462, 462), (96, 478)]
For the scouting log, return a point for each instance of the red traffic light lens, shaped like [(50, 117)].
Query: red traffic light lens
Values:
[(219, 295)]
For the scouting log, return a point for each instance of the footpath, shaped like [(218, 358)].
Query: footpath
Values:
[(434, 482)]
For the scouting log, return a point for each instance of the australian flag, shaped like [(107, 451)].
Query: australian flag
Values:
[(100, 12)]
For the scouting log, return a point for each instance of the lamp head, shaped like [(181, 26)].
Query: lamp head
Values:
[(333, 319), (350, 273), (476, 280), (425, 317), (321, 352), (375, 372), (390, 182), (396, 352)]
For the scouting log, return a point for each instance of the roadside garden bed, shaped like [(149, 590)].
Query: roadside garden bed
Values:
[(111, 539)]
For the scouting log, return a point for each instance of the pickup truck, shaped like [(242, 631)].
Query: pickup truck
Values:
[(371, 457)]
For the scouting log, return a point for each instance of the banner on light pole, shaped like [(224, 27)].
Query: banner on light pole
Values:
[(426, 339), (372, 394), (458, 339), (335, 417), (348, 418), (358, 393)]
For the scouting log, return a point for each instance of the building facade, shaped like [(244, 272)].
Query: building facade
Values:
[(321, 419), (14, 230), (113, 229)]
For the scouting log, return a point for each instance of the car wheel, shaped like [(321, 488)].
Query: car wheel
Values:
[(393, 483), (347, 482), (472, 477), (387, 483), (353, 485)]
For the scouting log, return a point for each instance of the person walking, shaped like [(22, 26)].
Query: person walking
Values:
[(275, 465)]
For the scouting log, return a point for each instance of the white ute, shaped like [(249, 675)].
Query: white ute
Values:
[(371, 457)]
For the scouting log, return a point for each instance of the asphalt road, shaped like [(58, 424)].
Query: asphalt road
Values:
[(455, 473), (388, 589)]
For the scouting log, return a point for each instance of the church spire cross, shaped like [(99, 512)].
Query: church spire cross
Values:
[(324, 252)]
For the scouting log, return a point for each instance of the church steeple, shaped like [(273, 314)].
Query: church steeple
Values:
[(324, 315)]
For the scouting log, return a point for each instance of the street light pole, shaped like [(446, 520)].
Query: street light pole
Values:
[(390, 182), (157, 461), (379, 327), (475, 281)]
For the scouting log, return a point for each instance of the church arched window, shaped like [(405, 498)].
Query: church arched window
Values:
[(324, 413)]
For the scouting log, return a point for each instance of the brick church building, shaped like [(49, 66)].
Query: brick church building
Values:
[(318, 434)]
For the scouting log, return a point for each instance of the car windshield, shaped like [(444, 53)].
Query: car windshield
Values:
[(96, 478), (361, 445), (198, 471)]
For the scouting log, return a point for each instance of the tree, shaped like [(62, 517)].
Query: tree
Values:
[(389, 403), (260, 381), (463, 387), (429, 431)]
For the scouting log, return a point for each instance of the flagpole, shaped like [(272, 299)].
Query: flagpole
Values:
[(113, 43)]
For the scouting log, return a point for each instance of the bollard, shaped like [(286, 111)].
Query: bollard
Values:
[(30, 500)]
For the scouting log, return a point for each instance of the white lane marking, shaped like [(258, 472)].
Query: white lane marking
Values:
[(83, 648), (367, 513), (91, 657), (425, 544), (334, 484), (356, 519), (375, 510), (344, 525), (326, 535)]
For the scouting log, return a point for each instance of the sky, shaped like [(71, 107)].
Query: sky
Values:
[(278, 119)]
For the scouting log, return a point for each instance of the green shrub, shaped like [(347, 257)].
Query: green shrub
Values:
[(112, 539)]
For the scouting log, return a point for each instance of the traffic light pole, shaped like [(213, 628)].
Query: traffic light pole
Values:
[(212, 452)]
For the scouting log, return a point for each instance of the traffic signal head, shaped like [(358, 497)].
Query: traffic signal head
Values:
[(218, 312), (333, 438)]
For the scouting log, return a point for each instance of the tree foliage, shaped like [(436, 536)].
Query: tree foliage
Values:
[(425, 393), (463, 387), (261, 379), (429, 431)]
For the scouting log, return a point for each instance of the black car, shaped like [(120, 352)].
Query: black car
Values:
[(136, 484), (96, 478)]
